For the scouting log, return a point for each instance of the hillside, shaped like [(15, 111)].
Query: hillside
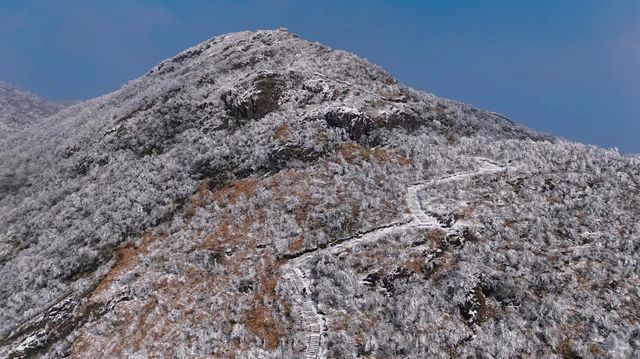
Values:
[(20, 109), (261, 196)]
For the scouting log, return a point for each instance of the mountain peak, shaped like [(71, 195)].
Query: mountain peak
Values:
[(239, 56), (259, 195)]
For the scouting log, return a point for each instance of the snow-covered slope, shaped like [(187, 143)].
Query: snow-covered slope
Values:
[(20, 109), (263, 196)]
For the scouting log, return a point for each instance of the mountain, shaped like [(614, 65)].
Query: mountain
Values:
[(20, 109), (261, 196)]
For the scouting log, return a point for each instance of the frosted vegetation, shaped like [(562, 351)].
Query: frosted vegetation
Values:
[(20, 109), (171, 217)]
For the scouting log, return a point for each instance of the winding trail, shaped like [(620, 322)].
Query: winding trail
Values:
[(52, 323), (294, 271)]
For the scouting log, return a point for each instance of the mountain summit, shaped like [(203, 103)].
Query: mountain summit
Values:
[(263, 196)]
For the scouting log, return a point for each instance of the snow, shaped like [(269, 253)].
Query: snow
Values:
[(262, 196)]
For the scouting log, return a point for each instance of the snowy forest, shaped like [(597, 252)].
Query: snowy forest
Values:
[(261, 196)]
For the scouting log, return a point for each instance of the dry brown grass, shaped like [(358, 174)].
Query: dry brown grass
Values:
[(260, 215), (144, 325), (125, 258), (564, 349), (435, 235), (80, 347), (269, 276), (259, 322), (147, 239), (231, 234), (322, 137), (283, 132), (555, 200), (465, 213), (597, 351), (510, 223), (415, 265), (220, 237), (199, 199), (339, 323), (245, 187), (296, 245), (188, 214), (352, 152), (202, 194), (355, 209), (300, 215)]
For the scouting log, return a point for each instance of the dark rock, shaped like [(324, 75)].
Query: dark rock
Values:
[(289, 155), (268, 89), (475, 310), (357, 125)]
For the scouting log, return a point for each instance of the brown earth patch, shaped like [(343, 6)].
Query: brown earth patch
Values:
[(296, 245), (260, 322), (283, 132), (260, 319), (353, 152), (244, 187), (125, 259)]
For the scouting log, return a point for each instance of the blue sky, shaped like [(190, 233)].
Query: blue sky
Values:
[(570, 68)]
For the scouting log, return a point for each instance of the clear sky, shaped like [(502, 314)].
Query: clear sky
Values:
[(571, 68)]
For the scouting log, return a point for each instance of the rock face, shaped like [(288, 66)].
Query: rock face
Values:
[(20, 109), (262, 196)]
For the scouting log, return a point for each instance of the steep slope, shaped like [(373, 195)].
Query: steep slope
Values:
[(262, 196), (19, 109)]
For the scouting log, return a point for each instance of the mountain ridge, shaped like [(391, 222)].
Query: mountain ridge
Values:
[(20, 109), (220, 163)]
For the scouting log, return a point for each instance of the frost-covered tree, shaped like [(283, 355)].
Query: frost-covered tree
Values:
[(262, 196)]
